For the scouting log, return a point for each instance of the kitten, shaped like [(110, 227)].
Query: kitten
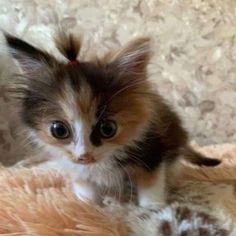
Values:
[(102, 119)]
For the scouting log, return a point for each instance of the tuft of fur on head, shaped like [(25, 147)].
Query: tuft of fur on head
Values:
[(68, 44)]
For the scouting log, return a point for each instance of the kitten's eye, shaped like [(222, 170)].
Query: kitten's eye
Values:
[(107, 128), (59, 130)]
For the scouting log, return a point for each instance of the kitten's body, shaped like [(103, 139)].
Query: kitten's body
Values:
[(148, 141)]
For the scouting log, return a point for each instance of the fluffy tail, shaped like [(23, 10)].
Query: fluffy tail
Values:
[(197, 158)]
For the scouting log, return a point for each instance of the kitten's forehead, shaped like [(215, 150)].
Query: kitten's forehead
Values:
[(78, 103), (85, 88), (88, 88)]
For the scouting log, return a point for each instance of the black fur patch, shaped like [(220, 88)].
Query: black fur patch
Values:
[(155, 148), (95, 137), (24, 49)]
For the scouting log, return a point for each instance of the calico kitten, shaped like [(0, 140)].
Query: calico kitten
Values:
[(102, 119)]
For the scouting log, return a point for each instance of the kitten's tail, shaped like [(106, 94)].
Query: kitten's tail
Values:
[(197, 158), (68, 44)]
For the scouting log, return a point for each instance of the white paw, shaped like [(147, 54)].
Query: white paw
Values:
[(151, 203)]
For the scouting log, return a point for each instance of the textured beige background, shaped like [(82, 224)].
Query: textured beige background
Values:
[(194, 48)]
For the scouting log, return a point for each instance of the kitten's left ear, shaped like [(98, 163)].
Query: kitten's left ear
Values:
[(132, 59), (29, 57)]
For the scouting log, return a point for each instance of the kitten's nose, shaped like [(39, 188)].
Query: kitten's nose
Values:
[(85, 158)]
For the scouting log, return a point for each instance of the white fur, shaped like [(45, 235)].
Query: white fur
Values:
[(80, 144)]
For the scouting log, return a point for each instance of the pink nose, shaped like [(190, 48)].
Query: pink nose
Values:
[(85, 158)]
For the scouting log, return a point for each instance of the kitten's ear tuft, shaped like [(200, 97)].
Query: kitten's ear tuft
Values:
[(28, 57), (68, 44), (133, 58), (198, 159)]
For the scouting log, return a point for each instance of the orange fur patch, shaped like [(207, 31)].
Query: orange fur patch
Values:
[(145, 178), (131, 111), (35, 202)]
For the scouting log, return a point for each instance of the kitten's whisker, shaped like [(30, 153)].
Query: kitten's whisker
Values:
[(27, 140), (125, 88), (113, 180), (130, 181), (138, 161), (104, 169), (119, 184), (119, 92), (145, 93)]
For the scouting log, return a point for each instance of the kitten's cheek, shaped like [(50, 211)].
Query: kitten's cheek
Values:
[(104, 154)]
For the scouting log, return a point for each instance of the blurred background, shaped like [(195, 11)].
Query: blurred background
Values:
[(194, 47)]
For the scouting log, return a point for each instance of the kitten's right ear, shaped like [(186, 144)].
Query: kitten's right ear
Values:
[(28, 57), (132, 59)]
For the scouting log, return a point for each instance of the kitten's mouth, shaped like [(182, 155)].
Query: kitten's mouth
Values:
[(85, 162), (84, 159)]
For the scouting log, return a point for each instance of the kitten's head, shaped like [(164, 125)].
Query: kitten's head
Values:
[(91, 111), (85, 110)]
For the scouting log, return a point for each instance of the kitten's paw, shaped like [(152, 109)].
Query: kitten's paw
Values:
[(151, 204), (154, 206), (150, 198)]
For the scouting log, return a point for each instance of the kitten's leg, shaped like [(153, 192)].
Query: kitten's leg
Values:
[(151, 187)]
